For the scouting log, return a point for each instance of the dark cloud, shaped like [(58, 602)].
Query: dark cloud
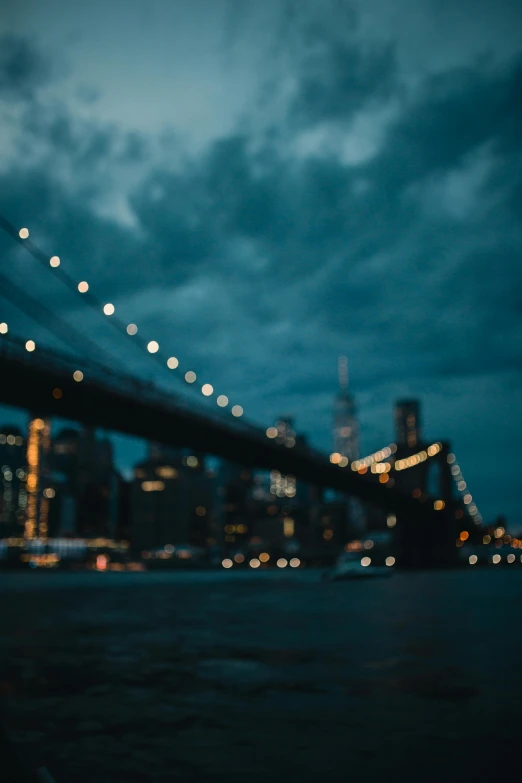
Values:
[(23, 68)]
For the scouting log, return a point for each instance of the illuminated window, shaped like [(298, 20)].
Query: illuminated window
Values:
[(288, 527), (152, 486), (167, 472)]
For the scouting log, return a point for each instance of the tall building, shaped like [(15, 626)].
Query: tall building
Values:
[(346, 430), (38, 471), (13, 474), (407, 423), (172, 500)]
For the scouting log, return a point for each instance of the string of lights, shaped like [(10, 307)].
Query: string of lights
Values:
[(82, 289), (420, 456), (462, 487)]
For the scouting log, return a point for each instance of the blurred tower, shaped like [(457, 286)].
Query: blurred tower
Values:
[(407, 423), (37, 509), (346, 431)]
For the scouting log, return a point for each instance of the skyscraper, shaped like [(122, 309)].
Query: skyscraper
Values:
[(38, 496), (407, 423), (346, 430)]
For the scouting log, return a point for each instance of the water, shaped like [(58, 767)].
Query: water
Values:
[(263, 677)]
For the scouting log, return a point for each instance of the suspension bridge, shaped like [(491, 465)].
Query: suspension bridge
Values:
[(72, 385)]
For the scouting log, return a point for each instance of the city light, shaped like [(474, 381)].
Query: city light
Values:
[(132, 329), (30, 346), (366, 561), (496, 559), (3, 328), (390, 561), (109, 309), (222, 401), (227, 563), (78, 376), (152, 486), (237, 410), (255, 563), (264, 557), (473, 559), (439, 505), (54, 261), (190, 376), (172, 363), (464, 535), (391, 520), (207, 389), (511, 558), (23, 233), (153, 346), (377, 456), (271, 432), (83, 287), (57, 394), (282, 562), (239, 558), (295, 562)]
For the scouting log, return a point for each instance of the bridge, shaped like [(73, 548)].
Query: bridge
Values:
[(48, 382)]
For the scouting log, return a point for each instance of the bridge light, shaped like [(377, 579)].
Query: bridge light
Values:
[(132, 329), (439, 505), (54, 261), (472, 559), (172, 363), (237, 410), (153, 346), (207, 389), (78, 375), (390, 561), (366, 561), (271, 432), (283, 562), (190, 376), (295, 562), (227, 563), (83, 287), (255, 563), (4, 328), (264, 557), (30, 346), (222, 401), (108, 309), (511, 558), (23, 233), (335, 458), (496, 559)]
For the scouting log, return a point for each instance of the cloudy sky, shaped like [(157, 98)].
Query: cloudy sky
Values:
[(263, 186)]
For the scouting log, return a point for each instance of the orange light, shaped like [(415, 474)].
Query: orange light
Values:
[(383, 478), (57, 394), (464, 535)]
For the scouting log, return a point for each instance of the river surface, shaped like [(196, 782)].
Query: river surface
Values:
[(264, 676)]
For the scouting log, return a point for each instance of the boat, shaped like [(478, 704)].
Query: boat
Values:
[(351, 565)]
